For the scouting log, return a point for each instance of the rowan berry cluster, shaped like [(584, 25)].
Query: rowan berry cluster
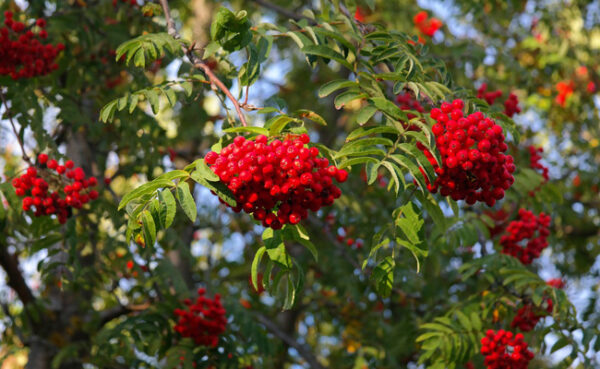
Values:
[(511, 105), (503, 350), (203, 321), (565, 90), (22, 54), (426, 25), (278, 181), (534, 160), (52, 193), (529, 315), (556, 283), (474, 166), (527, 227), (488, 96)]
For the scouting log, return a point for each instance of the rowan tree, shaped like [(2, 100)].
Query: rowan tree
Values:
[(287, 184)]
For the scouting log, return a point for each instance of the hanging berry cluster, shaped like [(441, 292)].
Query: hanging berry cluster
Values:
[(279, 181), (474, 166), (511, 105), (22, 54), (488, 96), (53, 189), (204, 320), (527, 227), (529, 315), (503, 350), (534, 161), (426, 25), (565, 90)]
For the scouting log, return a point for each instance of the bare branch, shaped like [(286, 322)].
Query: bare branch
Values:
[(303, 350), (10, 264), (199, 64)]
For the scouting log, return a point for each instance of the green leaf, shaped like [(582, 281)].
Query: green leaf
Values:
[(186, 200), (389, 108), (383, 274), (277, 124), (333, 86), (255, 263), (205, 171), (149, 228), (231, 31), (365, 114), (257, 130), (217, 187), (345, 97), (108, 111), (168, 208), (311, 115), (327, 53), (145, 189)]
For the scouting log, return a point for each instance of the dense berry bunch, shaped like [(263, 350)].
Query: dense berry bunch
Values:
[(565, 90), (204, 320), (474, 166), (534, 160), (426, 25), (279, 181), (488, 96), (528, 227), (511, 105), (503, 350), (556, 283), (22, 54), (53, 189), (529, 315)]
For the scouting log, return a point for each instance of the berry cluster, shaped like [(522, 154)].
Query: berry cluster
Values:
[(426, 25), (511, 105), (565, 89), (488, 96), (529, 315), (22, 54), (343, 236), (556, 283), (534, 160), (54, 193), (525, 228), (277, 182), (204, 321), (503, 350), (474, 167)]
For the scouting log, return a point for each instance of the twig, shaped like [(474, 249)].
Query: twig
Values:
[(302, 350), (199, 64), (14, 128)]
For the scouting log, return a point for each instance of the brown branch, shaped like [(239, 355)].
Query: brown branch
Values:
[(14, 128), (283, 11), (199, 64), (302, 350), (10, 264)]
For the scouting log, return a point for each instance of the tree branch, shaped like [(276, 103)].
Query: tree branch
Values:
[(199, 64), (303, 350), (10, 264)]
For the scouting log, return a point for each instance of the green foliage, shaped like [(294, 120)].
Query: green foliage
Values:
[(147, 48)]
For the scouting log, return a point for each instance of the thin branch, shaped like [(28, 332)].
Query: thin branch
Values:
[(285, 12), (199, 64), (14, 128), (10, 264), (302, 350)]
